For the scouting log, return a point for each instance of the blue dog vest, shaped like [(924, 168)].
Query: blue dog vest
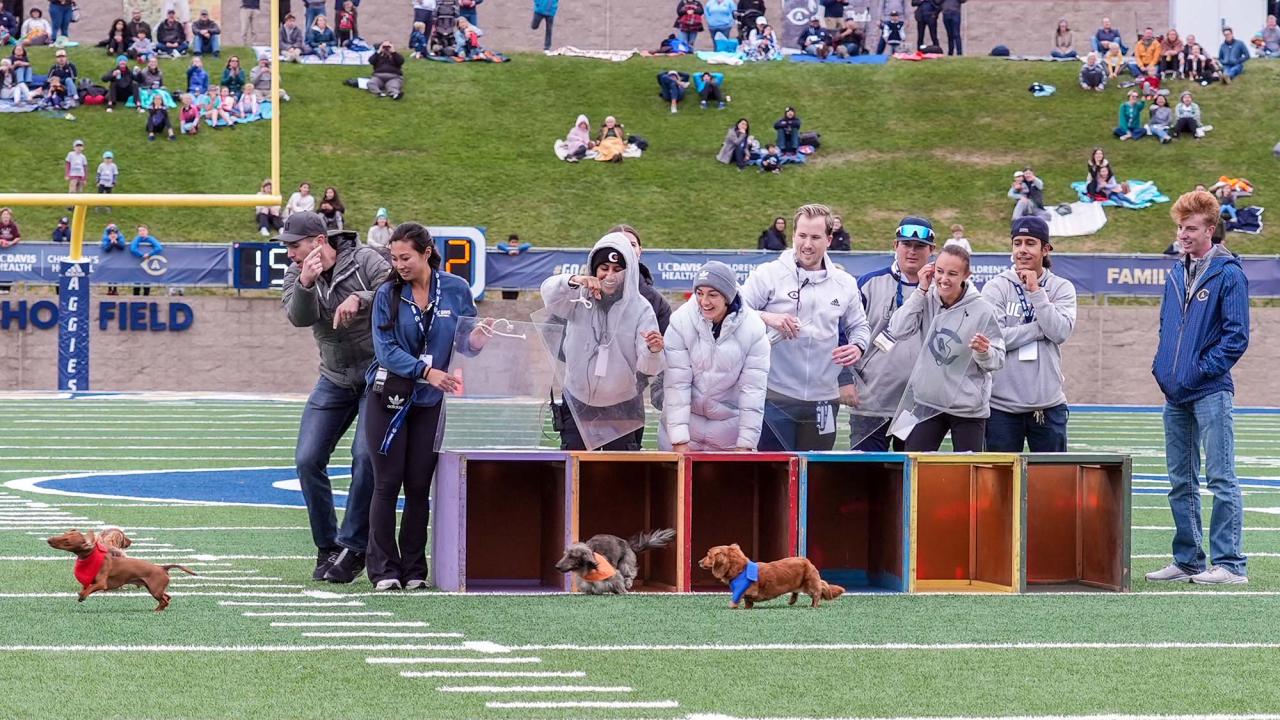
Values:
[(739, 585)]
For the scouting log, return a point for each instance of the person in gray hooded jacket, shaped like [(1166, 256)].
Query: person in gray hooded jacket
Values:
[(329, 288), (950, 385), (1037, 312), (610, 334), (880, 377)]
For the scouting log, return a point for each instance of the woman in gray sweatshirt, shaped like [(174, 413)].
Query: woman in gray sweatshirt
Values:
[(1161, 118)]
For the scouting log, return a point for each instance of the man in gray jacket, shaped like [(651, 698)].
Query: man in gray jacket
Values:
[(1037, 311), (329, 288), (880, 376)]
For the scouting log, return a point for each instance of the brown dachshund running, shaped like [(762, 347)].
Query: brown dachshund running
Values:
[(97, 568), (757, 582)]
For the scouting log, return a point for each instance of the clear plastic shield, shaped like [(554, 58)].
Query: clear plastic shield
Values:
[(503, 379), (600, 404), (803, 404)]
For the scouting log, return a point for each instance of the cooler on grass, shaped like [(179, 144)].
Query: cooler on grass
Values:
[(746, 498), (854, 514), (966, 522)]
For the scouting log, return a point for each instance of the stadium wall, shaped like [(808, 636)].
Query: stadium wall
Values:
[(1025, 26), (240, 344)]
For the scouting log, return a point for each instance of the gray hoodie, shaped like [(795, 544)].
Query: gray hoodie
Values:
[(345, 353), (1035, 325), (612, 330), (881, 377), (948, 376)]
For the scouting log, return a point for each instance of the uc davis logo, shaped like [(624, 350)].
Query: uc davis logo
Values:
[(1202, 295), (155, 266)]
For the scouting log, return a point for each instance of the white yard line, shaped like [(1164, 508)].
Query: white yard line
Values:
[(451, 660), (220, 648), (193, 584), (909, 647), (571, 704), (366, 613), (339, 603), (383, 634), (1165, 556), (354, 623), (492, 674), (1198, 716), (496, 689)]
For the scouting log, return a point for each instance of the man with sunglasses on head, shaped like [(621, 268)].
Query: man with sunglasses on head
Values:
[(817, 326), (875, 384)]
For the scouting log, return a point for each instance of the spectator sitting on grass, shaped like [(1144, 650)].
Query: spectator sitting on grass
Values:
[(1161, 118), (1108, 34), (293, 41), (248, 106), (158, 118), (890, 34), (118, 38), (1028, 190), (9, 21), (1232, 55), (35, 29), (848, 40), (65, 71), (1149, 82), (1202, 68), (123, 83), (762, 44), (579, 141), (221, 103), (260, 79), (321, 40), (418, 41), (513, 246), (138, 25), (300, 201), (1103, 184), (10, 235), (55, 97), (771, 160), (1187, 117), (612, 142), (188, 116), (737, 144), (1097, 159), (197, 77), (233, 76), (11, 88), (1115, 60), (331, 208), (388, 72), (267, 216), (788, 128), (171, 39), (1270, 38), (144, 245), (1146, 53), (1171, 48), (380, 232), (152, 77), (710, 92), (815, 40), (207, 35), (1093, 76), (466, 38), (672, 86), (21, 64), (112, 240), (62, 232), (1063, 41), (1130, 127), (774, 237), (142, 48)]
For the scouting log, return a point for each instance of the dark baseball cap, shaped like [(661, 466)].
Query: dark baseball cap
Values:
[(300, 226), (917, 229), (1030, 226)]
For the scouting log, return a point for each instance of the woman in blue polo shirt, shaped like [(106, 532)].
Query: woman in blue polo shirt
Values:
[(415, 317)]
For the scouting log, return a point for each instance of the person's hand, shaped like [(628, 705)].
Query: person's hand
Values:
[(311, 267), (926, 276), (590, 283), (849, 395), (346, 312), (653, 340), (681, 448), (846, 355), (980, 343), (788, 326), (1029, 280), (442, 380), (513, 251), (481, 333)]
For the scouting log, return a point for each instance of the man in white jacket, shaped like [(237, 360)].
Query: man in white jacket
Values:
[(1037, 311), (610, 334), (809, 304), (717, 369)]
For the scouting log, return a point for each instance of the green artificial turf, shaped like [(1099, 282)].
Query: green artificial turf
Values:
[(471, 145)]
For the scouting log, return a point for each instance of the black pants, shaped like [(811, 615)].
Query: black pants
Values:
[(571, 436), (549, 20), (926, 22), (410, 463), (115, 93), (269, 221), (967, 434), (865, 435), (951, 22), (711, 93), (1185, 125)]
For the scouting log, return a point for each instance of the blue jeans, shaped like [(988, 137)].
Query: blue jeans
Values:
[(60, 19), (23, 75), (689, 37), (955, 44), (793, 425), (312, 14), (1060, 54), (789, 141), (871, 434), (329, 412), (215, 44), (1233, 70), (1136, 133), (1160, 131), (1206, 422), (1006, 432)]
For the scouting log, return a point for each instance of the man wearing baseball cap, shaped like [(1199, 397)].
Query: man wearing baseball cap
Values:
[(329, 288), (1037, 312), (876, 382)]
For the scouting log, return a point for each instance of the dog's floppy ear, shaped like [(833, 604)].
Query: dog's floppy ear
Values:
[(719, 563)]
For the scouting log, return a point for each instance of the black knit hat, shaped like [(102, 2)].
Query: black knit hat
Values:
[(607, 254)]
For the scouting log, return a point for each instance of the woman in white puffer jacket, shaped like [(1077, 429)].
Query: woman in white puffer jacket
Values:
[(717, 369)]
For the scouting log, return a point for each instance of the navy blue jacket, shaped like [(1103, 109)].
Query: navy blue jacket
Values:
[(1201, 339), (394, 349)]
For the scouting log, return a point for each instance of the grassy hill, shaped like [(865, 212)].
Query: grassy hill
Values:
[(471, 145)]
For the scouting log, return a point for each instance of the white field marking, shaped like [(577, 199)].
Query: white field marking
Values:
[(342, 603), (492, 674), (451, 660), (140, 544), (161, 551), (371, 623), (910, 647), (571, 704), (192, 503), (217, 575), (246, 571), (1165, 556), (32, 485), (1198, 716), (366, 613), (495, 689), (221, 648), (197, 584), (1170, 528), (383, 634)]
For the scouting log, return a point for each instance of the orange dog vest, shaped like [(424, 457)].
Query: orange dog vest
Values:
[(604, 570)]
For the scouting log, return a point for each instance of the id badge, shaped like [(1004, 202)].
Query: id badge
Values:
[(826, 419), (602, 363), (884, 342), (1028, 351)]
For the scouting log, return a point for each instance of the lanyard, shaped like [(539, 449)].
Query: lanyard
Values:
[(402, 414), (1028, 312)]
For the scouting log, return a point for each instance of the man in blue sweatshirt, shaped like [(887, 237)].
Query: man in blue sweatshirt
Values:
[(1204, 330), (1232, 55)]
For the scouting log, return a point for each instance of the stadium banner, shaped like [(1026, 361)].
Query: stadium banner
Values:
[(673, 270), (179, 264), (795, 16), (73, 326)]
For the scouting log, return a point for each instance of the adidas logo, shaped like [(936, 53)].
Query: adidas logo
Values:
[(395, 400), (836, 302)]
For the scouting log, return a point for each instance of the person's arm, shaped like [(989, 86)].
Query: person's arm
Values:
[(385, 346), (755, 291), (301, 303), (993, 359), (907, 320), (752, 385), (1233, 338), (558, 296), (677, 387), (996, 294), (648, 362), (1056, 317), (854, 324)]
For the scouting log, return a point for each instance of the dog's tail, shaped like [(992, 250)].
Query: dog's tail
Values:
[(167, 568), (831, 592), (642, 541)]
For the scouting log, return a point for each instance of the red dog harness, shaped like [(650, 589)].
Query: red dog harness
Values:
[(87, 567), (604, 570)]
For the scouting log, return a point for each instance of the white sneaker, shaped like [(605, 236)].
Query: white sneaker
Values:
[(1218, 575), (416, 585), (1170, 572), (387, 585), (264, 232)]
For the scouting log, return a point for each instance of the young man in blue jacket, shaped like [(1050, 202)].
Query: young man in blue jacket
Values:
[(1232, 55), (1204, 330)]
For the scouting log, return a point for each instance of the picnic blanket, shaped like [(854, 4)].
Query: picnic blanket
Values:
[(917, 56), (341, 56), (1248, 220), (610, 55), (561, 149), (264, 113), (719, 58), (1142, 193), (1085, 218), (489, 57), (7, 106), (147, 93), (1040, 58), (837, 60)]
